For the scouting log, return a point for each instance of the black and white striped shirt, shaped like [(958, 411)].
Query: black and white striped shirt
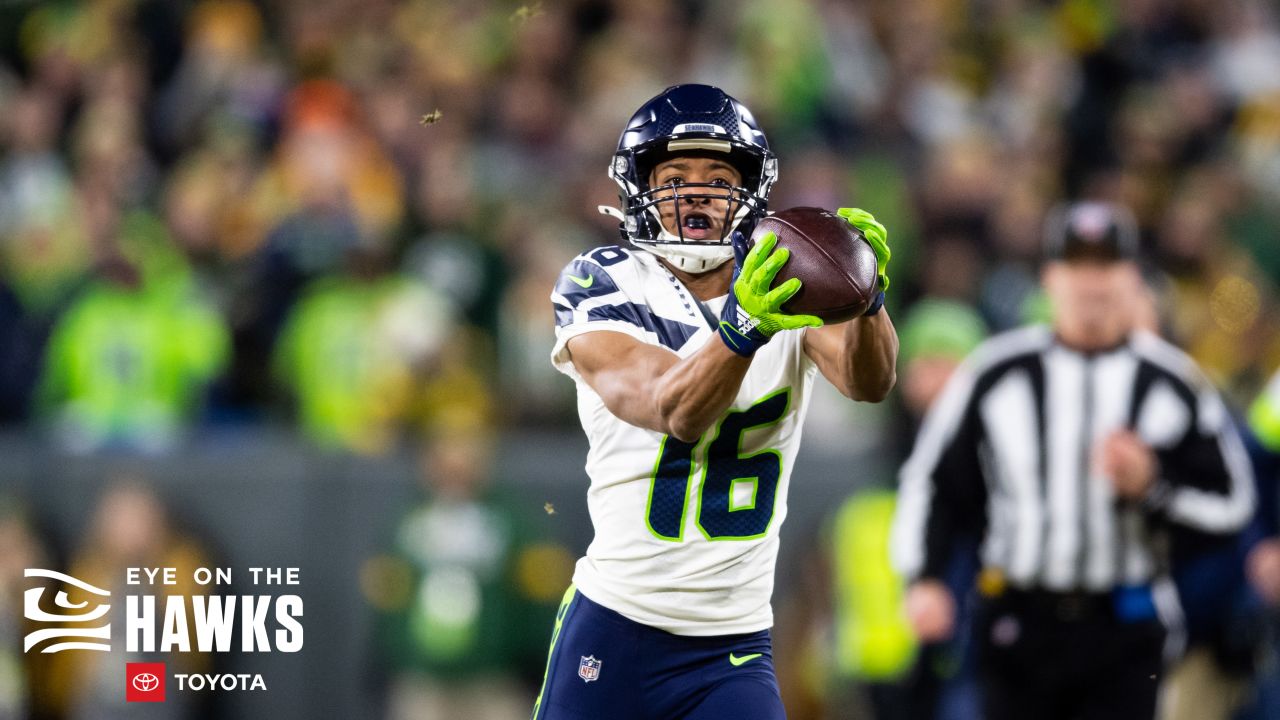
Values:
[(1006, 453)]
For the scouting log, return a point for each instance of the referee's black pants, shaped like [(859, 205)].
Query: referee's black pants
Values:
[(1051, 656)]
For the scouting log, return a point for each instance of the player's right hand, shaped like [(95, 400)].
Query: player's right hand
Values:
[(931, 611), (753, 313), (877, 237)]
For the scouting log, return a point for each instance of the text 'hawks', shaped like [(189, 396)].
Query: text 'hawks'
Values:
[(213, 621)]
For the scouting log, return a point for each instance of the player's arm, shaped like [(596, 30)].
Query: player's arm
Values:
[(651, 387), (860, 357)]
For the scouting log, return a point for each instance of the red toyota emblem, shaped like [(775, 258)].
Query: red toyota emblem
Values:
[(144, 682)]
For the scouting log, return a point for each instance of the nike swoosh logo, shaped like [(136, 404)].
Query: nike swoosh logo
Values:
[(583, 282), (736, 661)]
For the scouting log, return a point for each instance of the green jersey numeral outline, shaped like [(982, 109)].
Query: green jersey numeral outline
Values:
[(678, 459)]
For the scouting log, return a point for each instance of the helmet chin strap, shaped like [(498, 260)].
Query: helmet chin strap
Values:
[(692, 258)]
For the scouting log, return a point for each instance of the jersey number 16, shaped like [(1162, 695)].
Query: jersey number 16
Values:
[(724, 510)]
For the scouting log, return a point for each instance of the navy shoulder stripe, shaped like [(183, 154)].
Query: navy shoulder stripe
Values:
[(587, 277), (671, 334), (564, 315)]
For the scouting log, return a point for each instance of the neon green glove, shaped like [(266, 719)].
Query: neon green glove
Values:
[(753, 313), (876, 236)]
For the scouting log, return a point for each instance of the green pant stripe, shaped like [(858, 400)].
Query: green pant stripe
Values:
[(555, 635)]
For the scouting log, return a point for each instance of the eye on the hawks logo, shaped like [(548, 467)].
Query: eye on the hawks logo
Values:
[(589, 668), (144, 682), (82, 638)]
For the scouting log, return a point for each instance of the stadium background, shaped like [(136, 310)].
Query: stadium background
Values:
[(274, 277)]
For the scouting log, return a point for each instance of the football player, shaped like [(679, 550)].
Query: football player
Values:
[(692, 387)]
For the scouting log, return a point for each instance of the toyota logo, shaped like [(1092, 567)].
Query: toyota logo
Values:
[(145, 682)]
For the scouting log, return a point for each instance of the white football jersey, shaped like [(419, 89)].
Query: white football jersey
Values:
[(686, 534)]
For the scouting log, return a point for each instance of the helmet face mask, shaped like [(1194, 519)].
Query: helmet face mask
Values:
[(691, 121)]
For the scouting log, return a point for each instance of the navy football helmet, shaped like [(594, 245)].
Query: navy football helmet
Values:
[(689, 120)]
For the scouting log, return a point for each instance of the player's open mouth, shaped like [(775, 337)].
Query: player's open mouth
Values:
[(697, 226)]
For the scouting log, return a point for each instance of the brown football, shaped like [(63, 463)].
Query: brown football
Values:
[(835, 264)]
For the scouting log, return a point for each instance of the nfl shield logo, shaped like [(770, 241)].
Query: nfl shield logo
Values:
[(589, 668)]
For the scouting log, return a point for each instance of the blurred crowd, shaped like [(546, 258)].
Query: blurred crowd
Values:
[(346, 216)]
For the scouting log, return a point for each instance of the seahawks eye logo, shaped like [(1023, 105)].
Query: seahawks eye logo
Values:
[(78, 638)]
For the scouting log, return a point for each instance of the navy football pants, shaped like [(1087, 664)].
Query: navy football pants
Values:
[(602, 666)]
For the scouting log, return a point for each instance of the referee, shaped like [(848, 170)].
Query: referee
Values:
[(1071, 452)]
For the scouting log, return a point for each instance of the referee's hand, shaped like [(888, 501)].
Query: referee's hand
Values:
[(1263, 568), (1130, 464), (931, 611)]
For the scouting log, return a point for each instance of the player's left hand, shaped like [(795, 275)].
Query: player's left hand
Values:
[(1130, 464), (877, 237), (753, 311)]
